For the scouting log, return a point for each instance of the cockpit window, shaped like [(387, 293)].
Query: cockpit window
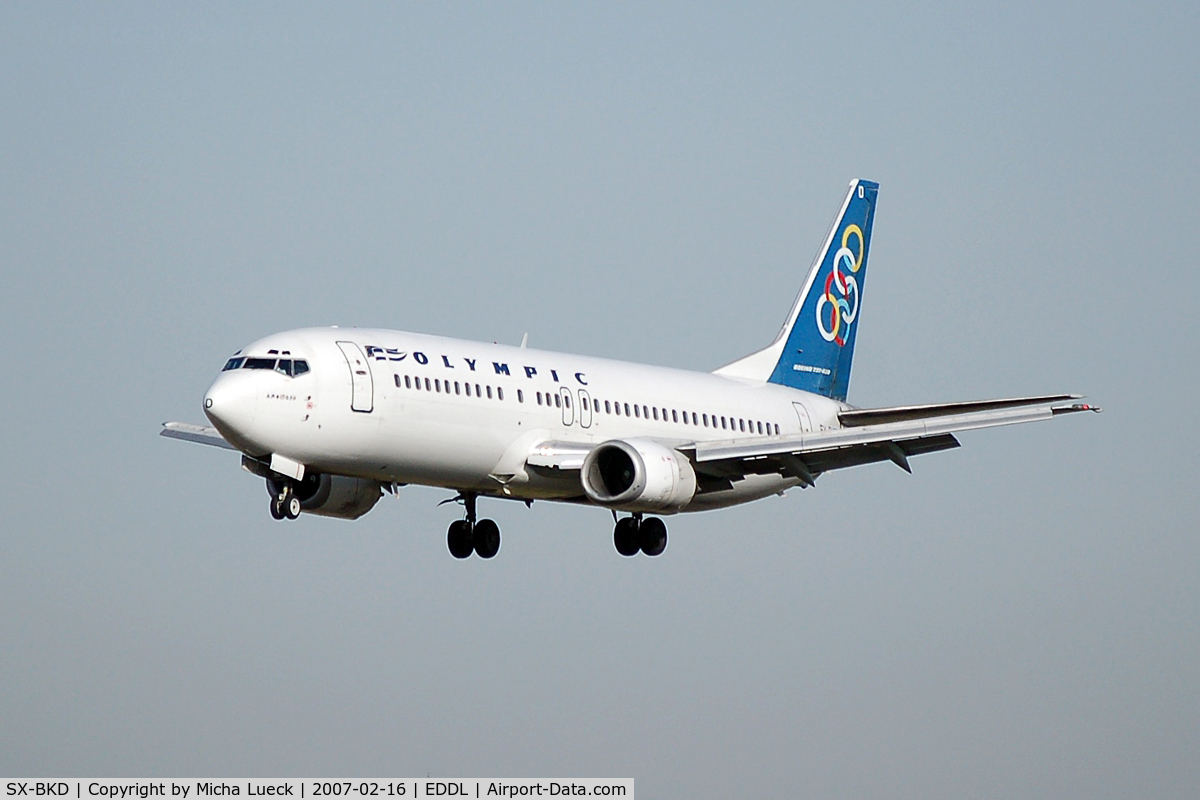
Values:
[(287, 366)]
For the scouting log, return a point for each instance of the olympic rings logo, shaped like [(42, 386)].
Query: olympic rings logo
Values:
[(841, 312)]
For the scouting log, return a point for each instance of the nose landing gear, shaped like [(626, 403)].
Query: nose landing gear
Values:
[(286, 504), (467, 536), (632, 534)]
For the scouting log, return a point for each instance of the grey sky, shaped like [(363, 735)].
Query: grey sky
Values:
[(1017, 618)]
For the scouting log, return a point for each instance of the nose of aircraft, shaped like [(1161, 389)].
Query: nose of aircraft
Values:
[(230, 405)]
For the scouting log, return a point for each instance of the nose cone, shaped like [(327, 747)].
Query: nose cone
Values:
[(230, 404)]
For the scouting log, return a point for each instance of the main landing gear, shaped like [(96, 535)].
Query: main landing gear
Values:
[(286, 503), (634, 533), (468, 536)]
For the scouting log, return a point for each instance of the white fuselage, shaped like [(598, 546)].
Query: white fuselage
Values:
[(411, 408)]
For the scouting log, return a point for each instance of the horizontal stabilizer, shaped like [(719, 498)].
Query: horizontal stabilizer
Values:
[(194, 433)]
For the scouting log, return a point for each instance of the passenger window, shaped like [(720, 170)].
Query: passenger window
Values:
[(567, 401), (427, 388), (742, 425), (607, 407), (557, 401), (627, 410), (760, 428), (656, 414), (489, 391), (685, 418), (776, 428), (437, 385), (674, 416), (478, 391), (457, 388), (499, 393), (397, 381), (637, 412), (706, 420), (722, 423), (233, 363), (407, 382), (468, 389)]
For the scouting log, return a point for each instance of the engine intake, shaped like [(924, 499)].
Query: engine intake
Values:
[(638, 475)]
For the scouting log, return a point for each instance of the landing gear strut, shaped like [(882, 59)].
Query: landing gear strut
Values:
[(468, 535), (632, 534)]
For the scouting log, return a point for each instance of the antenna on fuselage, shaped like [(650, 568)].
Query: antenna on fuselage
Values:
[(525, 340)]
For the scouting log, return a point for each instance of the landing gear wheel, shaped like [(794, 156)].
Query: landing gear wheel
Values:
[(625, 536), (653, 535), (291, 507), (276, 509), (487, 538), (459, 539)]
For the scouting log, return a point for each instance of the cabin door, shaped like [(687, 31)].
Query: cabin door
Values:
[(362, 387), (805, 420)]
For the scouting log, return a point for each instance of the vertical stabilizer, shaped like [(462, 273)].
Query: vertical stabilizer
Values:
[(814, 350)]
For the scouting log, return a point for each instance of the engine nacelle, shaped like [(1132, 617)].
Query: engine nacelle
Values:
[(334, 495), (638, 475)]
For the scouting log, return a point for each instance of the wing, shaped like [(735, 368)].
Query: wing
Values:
[(194, 433), (871, 435)]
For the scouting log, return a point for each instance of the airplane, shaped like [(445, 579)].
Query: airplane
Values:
[(334, 417)]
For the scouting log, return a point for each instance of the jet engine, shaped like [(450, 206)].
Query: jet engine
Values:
[(333, 495), (638, 475)]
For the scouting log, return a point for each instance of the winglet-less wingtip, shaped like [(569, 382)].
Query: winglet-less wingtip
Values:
[(1071, 409)]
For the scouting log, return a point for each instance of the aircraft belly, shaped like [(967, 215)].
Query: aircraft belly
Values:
[(437, 453)]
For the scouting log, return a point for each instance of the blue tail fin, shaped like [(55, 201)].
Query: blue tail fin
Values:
[(814, 350)]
